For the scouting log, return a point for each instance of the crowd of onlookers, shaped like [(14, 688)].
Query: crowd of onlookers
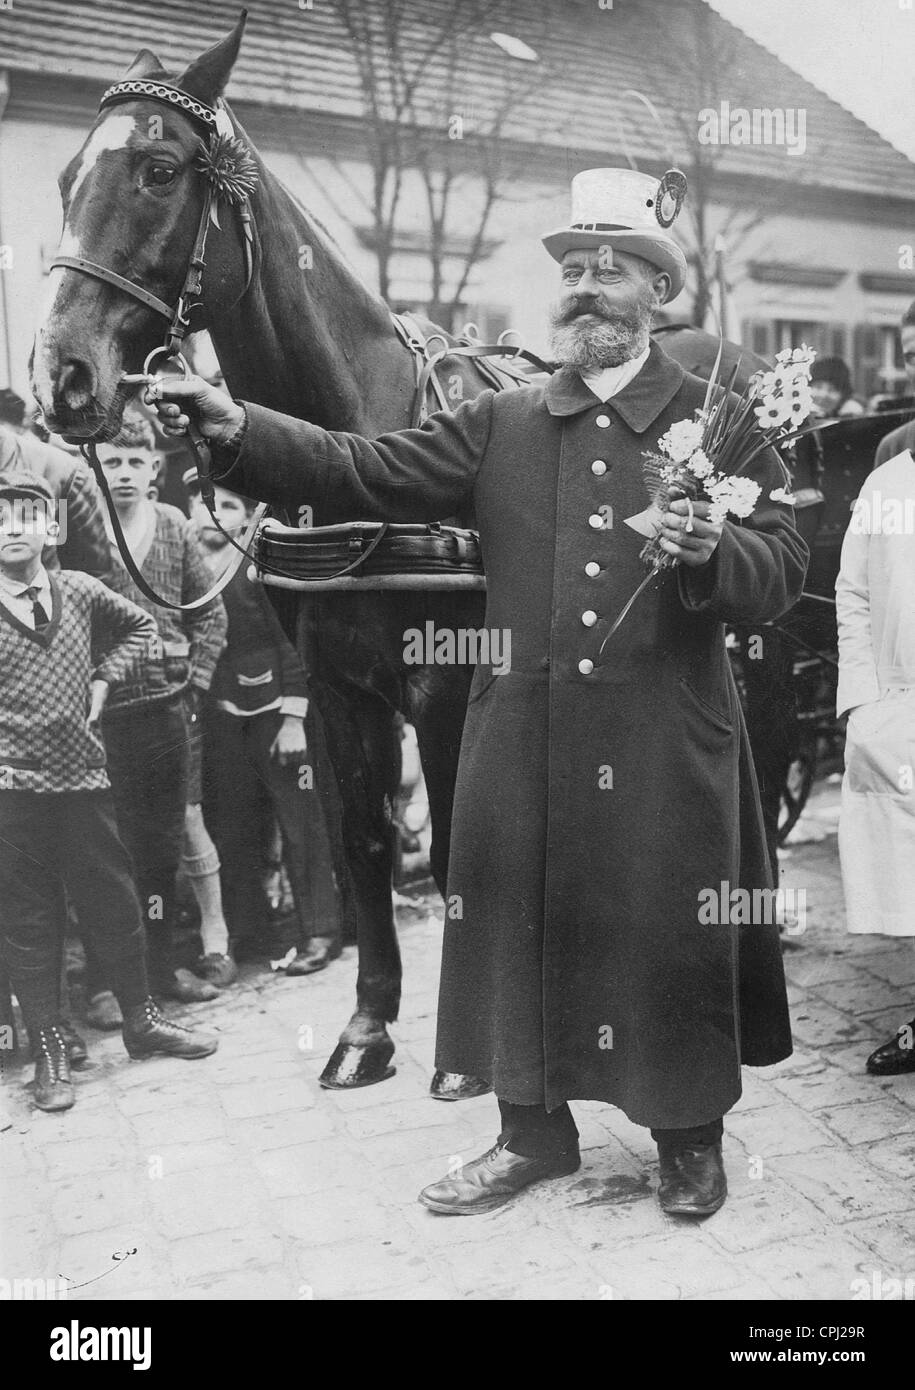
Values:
[(198, 718)]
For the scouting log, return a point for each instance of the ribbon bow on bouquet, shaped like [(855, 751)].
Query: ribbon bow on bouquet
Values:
[(705, 458)]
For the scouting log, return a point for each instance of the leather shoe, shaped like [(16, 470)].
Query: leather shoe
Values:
[(317, 953), (148, 1031), (104, 1012), (493, 1179), (184, 987), (693, 1181), (217, 969), (896, 1056), (53, 1084), (77, 1051)]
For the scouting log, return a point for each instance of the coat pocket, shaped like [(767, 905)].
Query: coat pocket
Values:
[(880, 749), (483, 678), (719, 718)]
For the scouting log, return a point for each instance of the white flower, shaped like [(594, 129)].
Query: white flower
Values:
[(681, 440), (737, 496), (800, 405), (802, 356), (780, 494), (700, 465), (774, 411)]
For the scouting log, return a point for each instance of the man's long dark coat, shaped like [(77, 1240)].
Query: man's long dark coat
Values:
[(579, 967)]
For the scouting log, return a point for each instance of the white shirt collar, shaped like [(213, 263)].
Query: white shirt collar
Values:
[(607, 381), (16, 587)]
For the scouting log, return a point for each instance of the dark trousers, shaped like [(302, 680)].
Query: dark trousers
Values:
[(241, 783), (147, 751), (52, 844), (536, 1132)]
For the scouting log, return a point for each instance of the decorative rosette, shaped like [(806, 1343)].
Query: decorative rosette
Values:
[(228, 167)]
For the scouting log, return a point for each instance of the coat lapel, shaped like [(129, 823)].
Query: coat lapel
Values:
[(639, 403)]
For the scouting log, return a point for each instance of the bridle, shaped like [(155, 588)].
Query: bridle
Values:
[(231, 175)]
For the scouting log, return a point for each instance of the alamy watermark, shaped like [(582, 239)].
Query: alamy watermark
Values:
[(460, 646), (19, 515), (757, 907), (882, 516), (763, 125)]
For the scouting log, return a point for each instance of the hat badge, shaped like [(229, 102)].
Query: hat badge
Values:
[(669, 197)]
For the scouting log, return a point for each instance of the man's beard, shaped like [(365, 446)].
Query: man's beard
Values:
[(606, 341)]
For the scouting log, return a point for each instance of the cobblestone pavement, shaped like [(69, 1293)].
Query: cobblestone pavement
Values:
[(238, 1177)]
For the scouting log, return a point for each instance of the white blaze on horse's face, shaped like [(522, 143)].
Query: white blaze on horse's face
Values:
[(112, 133)]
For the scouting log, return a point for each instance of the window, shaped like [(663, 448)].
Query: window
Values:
[(878, 365)]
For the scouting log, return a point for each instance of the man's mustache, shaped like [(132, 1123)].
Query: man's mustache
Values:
[(579, 307)]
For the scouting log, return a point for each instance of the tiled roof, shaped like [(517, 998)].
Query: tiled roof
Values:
[(298, 60)]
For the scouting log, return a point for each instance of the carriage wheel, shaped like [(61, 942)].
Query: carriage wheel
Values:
[(796, 789)]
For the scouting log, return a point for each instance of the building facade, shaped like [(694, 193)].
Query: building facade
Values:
[(827, 260)]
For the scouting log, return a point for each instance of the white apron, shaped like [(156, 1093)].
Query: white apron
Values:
[(875, 608), (877, 823)]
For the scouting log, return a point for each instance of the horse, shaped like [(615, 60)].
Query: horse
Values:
[(294, 330)]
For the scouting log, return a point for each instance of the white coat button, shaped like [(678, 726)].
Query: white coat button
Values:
[(586, 666), (589, 617), (596, 520), (599, 467), (592, 569), (602, 421)]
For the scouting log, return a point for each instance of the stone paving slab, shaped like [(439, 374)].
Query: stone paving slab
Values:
[(239, 1177)]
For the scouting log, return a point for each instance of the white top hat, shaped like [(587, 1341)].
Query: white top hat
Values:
[(630, 211)]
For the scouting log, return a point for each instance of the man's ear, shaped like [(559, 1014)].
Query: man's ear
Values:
[(661, 285), (52, 531)]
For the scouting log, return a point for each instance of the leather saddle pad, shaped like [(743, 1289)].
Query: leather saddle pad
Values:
[(318, 552)]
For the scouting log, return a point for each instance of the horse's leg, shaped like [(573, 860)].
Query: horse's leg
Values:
[(363, 746), (438, 702)]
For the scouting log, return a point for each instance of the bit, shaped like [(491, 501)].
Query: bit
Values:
[(137, 379)]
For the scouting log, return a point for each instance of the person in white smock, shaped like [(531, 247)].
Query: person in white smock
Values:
[(875, 605)]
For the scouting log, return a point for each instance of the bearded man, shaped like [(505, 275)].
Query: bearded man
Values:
[(601, 795)]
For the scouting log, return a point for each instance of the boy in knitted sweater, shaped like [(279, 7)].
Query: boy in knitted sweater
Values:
[(149, 719), (65, 640)]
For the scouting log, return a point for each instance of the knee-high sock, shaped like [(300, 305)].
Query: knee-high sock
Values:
[(200, 862)]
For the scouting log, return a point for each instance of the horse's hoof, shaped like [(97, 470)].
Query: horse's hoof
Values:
[(351, 1066), (454, 1085)]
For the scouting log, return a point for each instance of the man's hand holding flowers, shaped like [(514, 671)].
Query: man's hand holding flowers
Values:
[(688, 533)]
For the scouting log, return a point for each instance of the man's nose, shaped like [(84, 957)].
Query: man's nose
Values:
[(589, 283)]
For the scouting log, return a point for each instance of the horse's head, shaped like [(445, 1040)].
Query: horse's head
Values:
[(132, 201)]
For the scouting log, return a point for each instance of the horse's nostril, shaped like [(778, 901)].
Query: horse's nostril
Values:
[(76, 385)]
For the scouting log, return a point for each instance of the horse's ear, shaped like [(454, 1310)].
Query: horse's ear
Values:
[(144, 65), (207, 76)]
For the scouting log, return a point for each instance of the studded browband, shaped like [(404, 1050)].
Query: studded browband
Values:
[(133, 87)]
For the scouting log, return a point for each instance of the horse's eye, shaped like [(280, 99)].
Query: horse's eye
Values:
[(161, 174)]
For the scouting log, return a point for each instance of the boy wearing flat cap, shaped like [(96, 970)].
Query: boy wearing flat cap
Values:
[(65, 640)]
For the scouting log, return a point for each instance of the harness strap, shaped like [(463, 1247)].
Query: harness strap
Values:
[(99, 272), (426, 364)]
